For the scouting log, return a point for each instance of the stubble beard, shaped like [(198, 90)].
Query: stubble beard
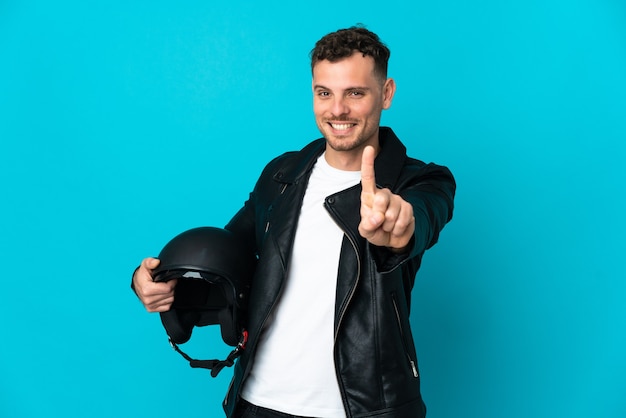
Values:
[(346, 142)]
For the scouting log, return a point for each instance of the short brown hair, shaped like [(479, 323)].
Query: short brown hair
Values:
[(343, 43)]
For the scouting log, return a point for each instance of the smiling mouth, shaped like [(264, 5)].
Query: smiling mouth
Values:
[(341, 126)]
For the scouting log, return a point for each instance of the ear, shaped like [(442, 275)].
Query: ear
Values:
[(389, 89)]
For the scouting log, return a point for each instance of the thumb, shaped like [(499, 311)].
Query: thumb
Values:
[(151, 263)]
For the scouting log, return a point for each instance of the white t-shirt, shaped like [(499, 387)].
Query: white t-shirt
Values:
[(294, 370)]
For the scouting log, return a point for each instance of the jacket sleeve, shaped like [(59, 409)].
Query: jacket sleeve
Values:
[(246, 221), (430, 190), (432, 198), (243, 223)]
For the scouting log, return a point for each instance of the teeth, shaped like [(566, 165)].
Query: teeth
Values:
[(341, 126)]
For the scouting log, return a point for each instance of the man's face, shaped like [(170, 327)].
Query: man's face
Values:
[(348, 100)]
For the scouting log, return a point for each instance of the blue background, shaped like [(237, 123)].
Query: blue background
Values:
[(124, 123)]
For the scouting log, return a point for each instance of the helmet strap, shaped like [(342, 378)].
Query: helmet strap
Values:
[(215, 365)]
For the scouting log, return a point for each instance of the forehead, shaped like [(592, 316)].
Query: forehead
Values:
[(355, 69)]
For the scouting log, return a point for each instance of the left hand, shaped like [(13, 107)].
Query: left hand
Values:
[(386, 219)]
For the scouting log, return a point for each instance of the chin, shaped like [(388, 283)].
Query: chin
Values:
[(343, 144)]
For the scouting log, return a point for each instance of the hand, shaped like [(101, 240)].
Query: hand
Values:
[(155, 296), (386, 219)]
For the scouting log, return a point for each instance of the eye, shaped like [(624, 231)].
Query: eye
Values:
[(356, 93), (323, 94)]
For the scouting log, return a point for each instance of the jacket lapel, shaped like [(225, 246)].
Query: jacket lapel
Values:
[(293, 177)]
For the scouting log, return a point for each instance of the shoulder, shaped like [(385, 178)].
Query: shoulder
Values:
[(396, 170), (413, 166), (293, 164), (412, 172)]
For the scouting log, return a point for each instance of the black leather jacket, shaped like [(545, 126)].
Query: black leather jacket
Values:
[(375, 358)]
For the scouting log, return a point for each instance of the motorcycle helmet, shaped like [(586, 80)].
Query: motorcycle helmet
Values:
[(213, 268)]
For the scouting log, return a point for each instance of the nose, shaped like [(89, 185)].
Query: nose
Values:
[(339, 107)]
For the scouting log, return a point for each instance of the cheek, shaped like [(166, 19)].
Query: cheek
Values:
[(373, 110), (318, 108)]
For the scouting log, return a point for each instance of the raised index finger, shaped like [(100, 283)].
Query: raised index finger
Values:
[(368, 177)]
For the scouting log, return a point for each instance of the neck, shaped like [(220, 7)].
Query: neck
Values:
[(342, 160), (349, 160)]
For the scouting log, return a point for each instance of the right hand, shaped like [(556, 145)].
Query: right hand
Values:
[(155, 296)]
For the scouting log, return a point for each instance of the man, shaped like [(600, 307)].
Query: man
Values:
[(339, 229)]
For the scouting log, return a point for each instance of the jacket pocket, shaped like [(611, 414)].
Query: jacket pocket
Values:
[(405, 336)]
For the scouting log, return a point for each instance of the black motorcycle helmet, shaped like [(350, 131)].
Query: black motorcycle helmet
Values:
[(213, 268)]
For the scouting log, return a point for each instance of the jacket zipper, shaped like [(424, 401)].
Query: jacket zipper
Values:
[(267, 217), (340, 320), (358, 274), (406, 350), (230, 387)]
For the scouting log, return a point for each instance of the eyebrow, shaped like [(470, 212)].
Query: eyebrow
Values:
[(319, 86)]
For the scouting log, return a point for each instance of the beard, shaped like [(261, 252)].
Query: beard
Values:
[(359, 136)]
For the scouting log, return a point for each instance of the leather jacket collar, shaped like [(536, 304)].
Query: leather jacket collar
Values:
[(387, 165)]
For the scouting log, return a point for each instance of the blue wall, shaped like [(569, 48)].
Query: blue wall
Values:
[(115, 117)]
